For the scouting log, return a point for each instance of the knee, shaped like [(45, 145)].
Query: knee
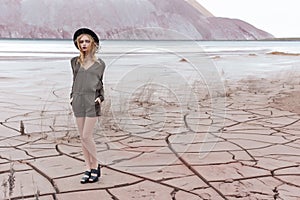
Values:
[(85, 139)]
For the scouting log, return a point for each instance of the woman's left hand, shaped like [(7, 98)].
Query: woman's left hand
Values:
[(98, 100)]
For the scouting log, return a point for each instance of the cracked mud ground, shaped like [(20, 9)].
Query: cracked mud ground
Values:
[(252, 152)]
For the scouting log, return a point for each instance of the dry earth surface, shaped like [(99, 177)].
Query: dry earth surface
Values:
[(252, 152)]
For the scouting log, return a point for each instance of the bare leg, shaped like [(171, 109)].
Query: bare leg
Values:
[(80, 124), (88, 143)]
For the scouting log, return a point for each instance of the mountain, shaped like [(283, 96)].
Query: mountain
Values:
[(120, 19)]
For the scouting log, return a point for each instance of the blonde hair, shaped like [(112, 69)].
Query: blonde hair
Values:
[(93, 48)]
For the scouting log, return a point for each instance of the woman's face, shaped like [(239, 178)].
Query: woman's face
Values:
[(85, 43)]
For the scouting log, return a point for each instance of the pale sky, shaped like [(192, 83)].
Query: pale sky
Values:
[(281, 18)]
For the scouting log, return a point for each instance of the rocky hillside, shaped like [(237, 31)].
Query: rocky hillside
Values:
[(120, 19)]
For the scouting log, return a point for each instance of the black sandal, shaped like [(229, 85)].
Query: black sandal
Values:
[(85, 178), (95, 174)]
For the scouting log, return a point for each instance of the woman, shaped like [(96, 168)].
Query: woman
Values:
[(86, 96)]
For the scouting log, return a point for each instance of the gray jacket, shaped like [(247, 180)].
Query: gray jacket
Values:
[(88, 81)]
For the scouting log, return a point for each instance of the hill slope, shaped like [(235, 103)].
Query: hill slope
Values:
[(120, 19)]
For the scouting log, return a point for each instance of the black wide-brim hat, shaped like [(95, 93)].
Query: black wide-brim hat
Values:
[(85, 31)]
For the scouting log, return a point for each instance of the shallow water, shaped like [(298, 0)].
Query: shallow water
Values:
[(234, 58)]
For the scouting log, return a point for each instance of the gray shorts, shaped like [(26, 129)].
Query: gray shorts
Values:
[(84, 105)]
